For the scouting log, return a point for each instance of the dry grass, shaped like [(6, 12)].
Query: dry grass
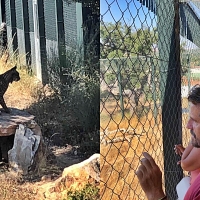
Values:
[(120, 160), (12, 190)]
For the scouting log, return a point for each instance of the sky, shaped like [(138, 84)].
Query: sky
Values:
[(129, 11), (133, 13)]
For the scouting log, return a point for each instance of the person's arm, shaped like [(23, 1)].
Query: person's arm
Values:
[(150, 178), (189, 161)]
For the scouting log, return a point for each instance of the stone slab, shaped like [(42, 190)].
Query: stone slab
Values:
[(10, 121)]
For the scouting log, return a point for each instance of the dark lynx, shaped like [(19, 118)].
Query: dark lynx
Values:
[(6, 78)]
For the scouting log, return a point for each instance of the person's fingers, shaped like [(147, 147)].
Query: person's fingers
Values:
[(179, 149), (146, 155), (141, 172), (176, 149), (178, 146), (142, 168), (149, 162)]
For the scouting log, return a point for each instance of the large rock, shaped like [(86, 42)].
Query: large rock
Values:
[(10, 121), (89, 167), (21, 141), (73, 178)]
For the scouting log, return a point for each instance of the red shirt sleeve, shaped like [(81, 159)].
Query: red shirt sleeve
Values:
[(193, 192)]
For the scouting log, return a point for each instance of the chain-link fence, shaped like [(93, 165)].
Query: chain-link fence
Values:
[(149, 61)]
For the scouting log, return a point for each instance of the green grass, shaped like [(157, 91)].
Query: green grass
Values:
[(89, 192)]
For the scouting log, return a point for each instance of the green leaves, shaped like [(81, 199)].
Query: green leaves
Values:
[(121, 40), (89, 192)]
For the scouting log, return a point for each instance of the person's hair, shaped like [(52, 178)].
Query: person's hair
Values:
[(194, 95)]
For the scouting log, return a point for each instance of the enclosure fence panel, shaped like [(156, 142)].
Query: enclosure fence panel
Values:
[(70, 24), (31, 35), (25, 5), (11, 24), (19, 25), (149, 61), (61, 33), (51, 29), (40, 22), (21, 9)]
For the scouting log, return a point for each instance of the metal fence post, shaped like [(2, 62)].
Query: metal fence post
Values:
[(188, 72), (11, 25), (153, 82), (171, 107), (119, 79)]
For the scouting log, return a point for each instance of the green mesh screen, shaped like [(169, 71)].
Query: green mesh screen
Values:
[(70, 24), (50, 19)]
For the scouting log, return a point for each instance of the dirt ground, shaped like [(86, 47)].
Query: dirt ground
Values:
[(119, 160)]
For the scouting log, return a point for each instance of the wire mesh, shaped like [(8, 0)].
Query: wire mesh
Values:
[(146, 70)]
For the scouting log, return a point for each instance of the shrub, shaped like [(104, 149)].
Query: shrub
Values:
[(89, 192)]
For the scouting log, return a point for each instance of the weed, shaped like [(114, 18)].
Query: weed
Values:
[(89, 192)]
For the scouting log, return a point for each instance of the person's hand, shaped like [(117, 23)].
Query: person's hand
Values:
[(179, 149), (150, 178)]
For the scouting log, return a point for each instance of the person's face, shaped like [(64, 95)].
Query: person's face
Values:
[(194, 124)]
